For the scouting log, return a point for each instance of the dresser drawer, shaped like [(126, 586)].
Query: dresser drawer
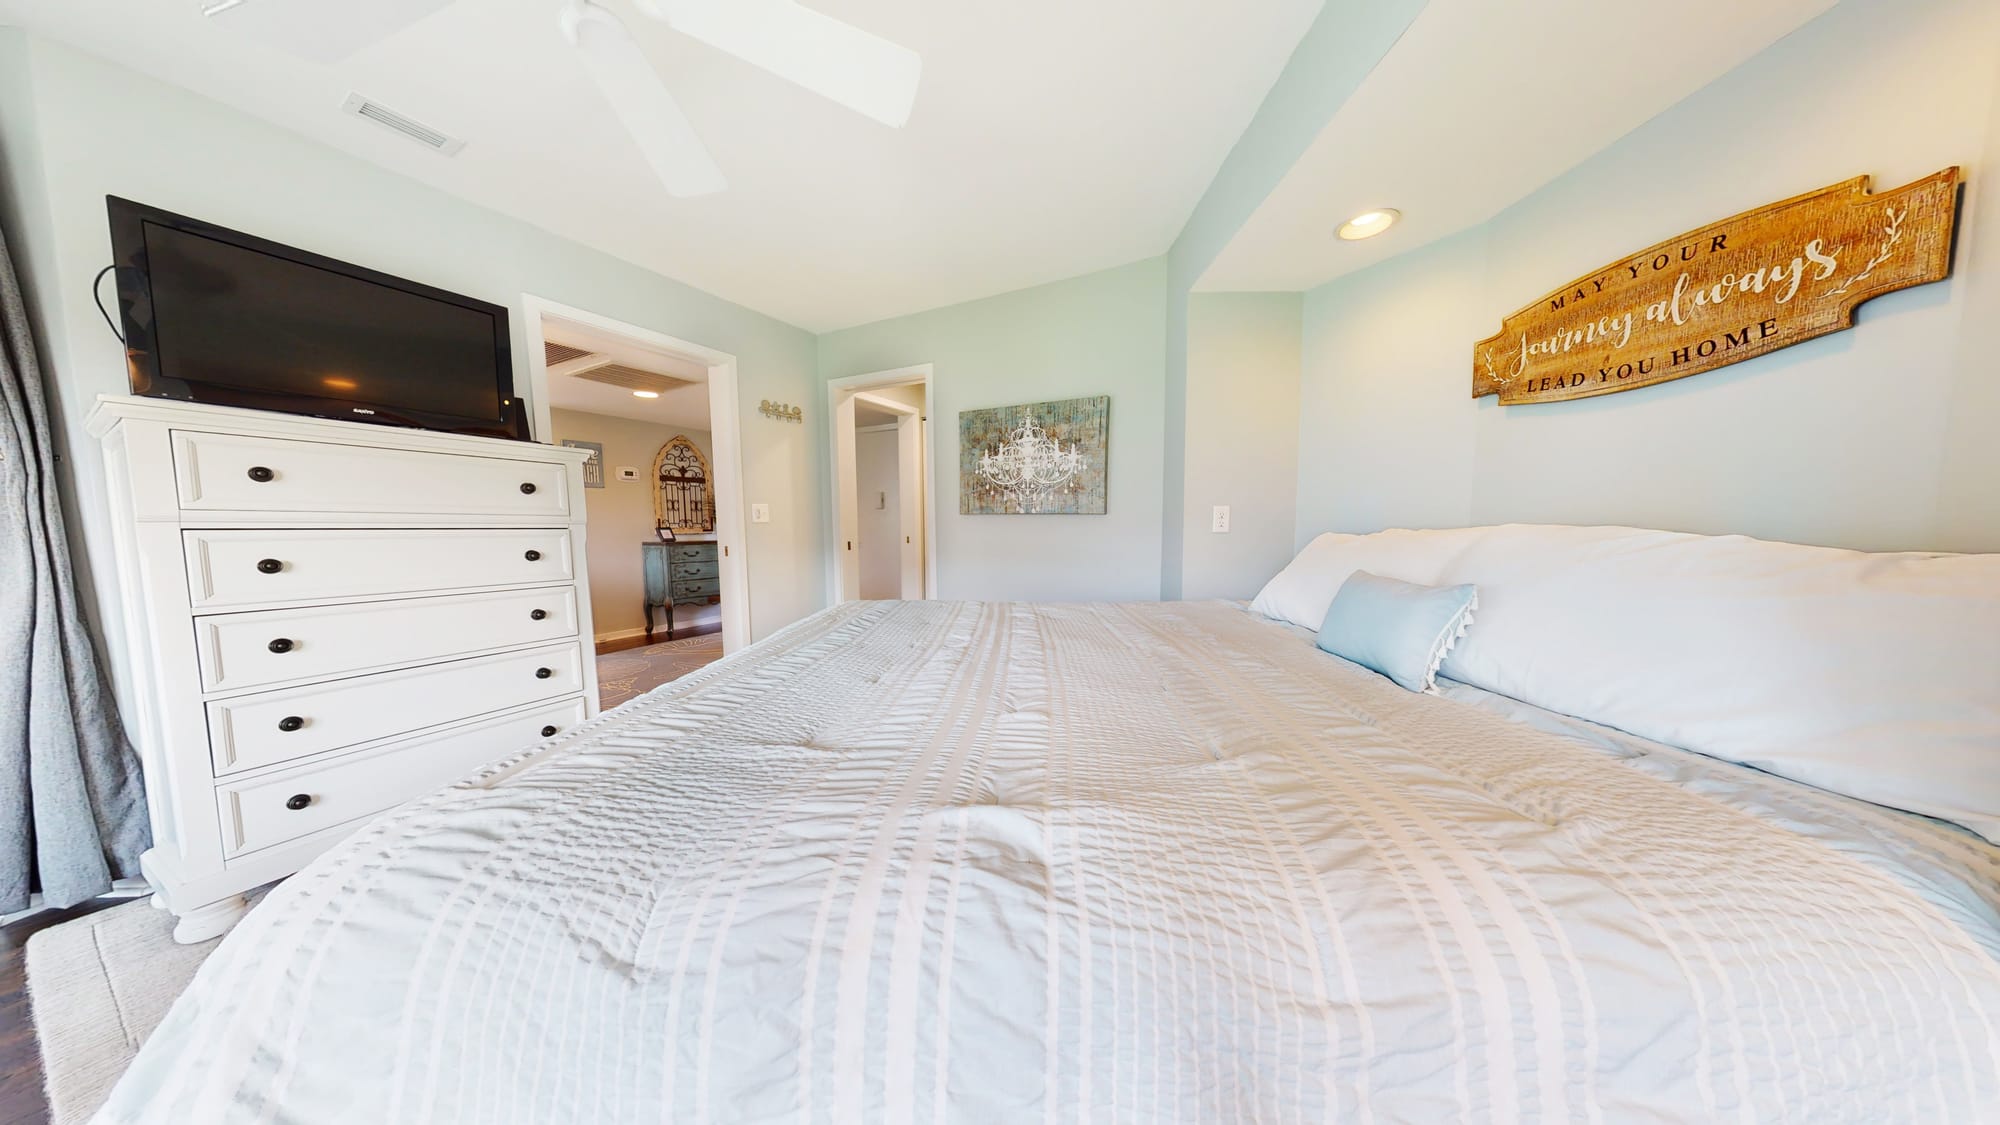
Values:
[(258, 812), (694, 569), (693, 552), (235, 473), (689, 589), (266, 729), (231, 569), (244, 650)]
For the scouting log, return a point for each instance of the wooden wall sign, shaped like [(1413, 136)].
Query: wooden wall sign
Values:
[(1763, 280)]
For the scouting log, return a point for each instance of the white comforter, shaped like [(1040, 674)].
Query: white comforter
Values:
[(984, 862)]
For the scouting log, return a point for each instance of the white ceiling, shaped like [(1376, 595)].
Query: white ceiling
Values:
[(1050, 137), (684, 407), (1477, 105), (867, 415)]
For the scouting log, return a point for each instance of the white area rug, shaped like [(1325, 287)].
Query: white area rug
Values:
[(99, 986)]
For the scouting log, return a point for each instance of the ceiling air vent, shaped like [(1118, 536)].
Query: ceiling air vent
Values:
[(631, 378), (554, 353), (415, 130)]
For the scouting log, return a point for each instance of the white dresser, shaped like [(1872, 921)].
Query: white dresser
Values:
[(325, 619)]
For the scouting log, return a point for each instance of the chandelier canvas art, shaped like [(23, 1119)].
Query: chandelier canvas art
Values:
[(1040, 458)]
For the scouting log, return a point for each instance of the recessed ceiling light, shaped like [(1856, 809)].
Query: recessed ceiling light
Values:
[(1368, 224), (645, 394)]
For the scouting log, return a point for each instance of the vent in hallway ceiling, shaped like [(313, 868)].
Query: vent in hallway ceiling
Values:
[(423, 134), (554, 353), (631, 378)]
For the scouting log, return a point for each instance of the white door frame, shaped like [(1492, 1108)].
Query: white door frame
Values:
[(840, 406), (725, 435), (912, 581)]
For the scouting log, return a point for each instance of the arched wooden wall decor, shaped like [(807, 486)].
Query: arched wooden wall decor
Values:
[(683, 488)]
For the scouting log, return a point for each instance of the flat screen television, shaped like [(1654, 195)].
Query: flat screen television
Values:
[(218, 316)]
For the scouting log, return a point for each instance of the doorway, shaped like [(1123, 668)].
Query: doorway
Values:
[(884, 494), (663, 496)]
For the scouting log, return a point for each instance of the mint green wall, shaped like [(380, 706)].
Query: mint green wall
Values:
[(76, 128), (1969, 462), (1878, 438), (1103, 333), (1242, 397), (1198, 425), (1335, 55)]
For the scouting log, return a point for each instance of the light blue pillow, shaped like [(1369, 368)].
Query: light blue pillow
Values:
[(1397, 628)]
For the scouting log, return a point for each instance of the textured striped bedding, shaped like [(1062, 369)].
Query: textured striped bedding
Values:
[(988, 862)]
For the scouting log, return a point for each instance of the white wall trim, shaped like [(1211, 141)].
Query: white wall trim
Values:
[(725, 438), (849, 387), (618, 635)]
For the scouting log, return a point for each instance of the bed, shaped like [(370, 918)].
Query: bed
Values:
[(938, 861)]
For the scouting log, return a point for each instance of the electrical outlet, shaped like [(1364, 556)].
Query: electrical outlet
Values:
[(760, 513), (1220, 520)]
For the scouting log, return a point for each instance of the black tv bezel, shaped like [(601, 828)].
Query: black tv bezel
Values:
[(142, 360)]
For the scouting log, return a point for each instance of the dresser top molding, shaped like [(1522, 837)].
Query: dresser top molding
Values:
[(113, 410)]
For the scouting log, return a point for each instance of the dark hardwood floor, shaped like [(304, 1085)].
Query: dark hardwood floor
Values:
[(21, 1101), (701, 630)]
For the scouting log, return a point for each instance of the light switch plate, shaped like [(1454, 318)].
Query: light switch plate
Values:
[(1220, 520), (760, 513)]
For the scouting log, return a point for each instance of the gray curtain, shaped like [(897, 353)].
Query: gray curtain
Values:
[(72, 809)]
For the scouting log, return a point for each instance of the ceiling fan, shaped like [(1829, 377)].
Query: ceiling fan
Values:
[(862, 71)]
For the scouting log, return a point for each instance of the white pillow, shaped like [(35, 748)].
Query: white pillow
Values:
[(1872, 675), (1301, 592)]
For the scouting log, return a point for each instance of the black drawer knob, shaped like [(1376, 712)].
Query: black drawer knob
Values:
[(538, 614), (549, 731), (543, 673), (533, 556), (280, 645), (269, 566), (527, 488), (261, 475), (290, 723), (297, 801)]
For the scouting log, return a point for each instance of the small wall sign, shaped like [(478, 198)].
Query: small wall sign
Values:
[(593, 469), (1763, 280)]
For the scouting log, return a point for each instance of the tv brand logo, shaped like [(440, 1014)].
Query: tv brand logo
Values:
[(361, 410)]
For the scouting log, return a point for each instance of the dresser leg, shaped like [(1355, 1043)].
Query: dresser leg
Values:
[(211, 921)]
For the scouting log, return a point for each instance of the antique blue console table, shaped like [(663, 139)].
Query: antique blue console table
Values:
[(682, 573)]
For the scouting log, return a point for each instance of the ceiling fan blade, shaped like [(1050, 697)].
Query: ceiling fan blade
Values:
[(641, 102), (860, 70)]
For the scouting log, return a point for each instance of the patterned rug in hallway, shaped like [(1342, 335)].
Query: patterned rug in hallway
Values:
[(634, 672)]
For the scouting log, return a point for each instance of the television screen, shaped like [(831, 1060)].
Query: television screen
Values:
[(218, 316)]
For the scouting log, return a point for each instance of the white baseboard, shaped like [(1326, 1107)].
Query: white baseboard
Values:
[(621, 635), (682, 621)]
